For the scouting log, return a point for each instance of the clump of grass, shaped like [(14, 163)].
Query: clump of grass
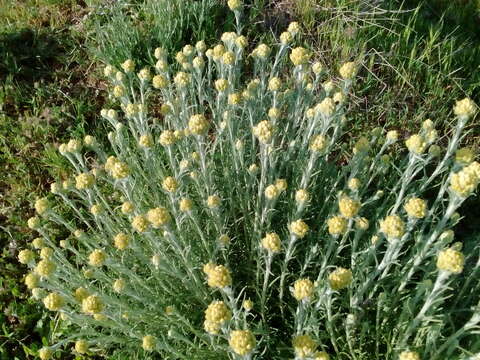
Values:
[(238, 223)]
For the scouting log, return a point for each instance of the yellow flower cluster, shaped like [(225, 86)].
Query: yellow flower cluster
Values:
[(31, 281), (234, 5), (326, 107), (81, 346), (299, 228), (84, 181), (242, 342), (450, 260), (167, 138), (198, 124), (81, 294), (92, 305), (45, 268), (33, 222), (416, 144), (416, 208), (45, 353), (54, 301), (216, 314), (120, 170), (354, 184), (213, 201), (271, 242), (221, 85), (170, 184), (318, 143), (149, 343), (274, 84), (146, 141), (362, 223), (42, 205), (159, 82), (218, 276), (119, 285), (465, 108), (262, 51), (340, 278), (302, 196), (303, 289), (46, 253), (409, 355), (299, 56), (96, 209), (464, 156), (464, 182), (264, 131), (121, 241), (348, 207), (393, 227), (26, 256), (97, 258), (304, 346), (271, 192), (185, 205), (347, 71), (181, 79), (337, 225), (158, 216), (127, 207)]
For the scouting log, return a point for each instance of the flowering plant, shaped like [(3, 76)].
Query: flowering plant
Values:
[(229, 221)]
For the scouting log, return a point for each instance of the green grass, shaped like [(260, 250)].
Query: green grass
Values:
[(417, 63)]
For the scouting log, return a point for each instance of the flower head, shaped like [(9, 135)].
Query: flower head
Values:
[(416, 208), (348, 207), (416, 144), (409, 355), (337, 225), (158, 216), (84, 181), (465, 108), (218, 312), (304, 346), (347, 71), (303, 289), (393, 227), (198, 124), (450, 260), (54, 301), (45, 268), (299, 56), (26, 256), (340, 278), (299, 228), (149, 343), (271, 242), (81, 346), (92, 305), (242, 342), (97, 258), (219, 277), (45, 353)]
